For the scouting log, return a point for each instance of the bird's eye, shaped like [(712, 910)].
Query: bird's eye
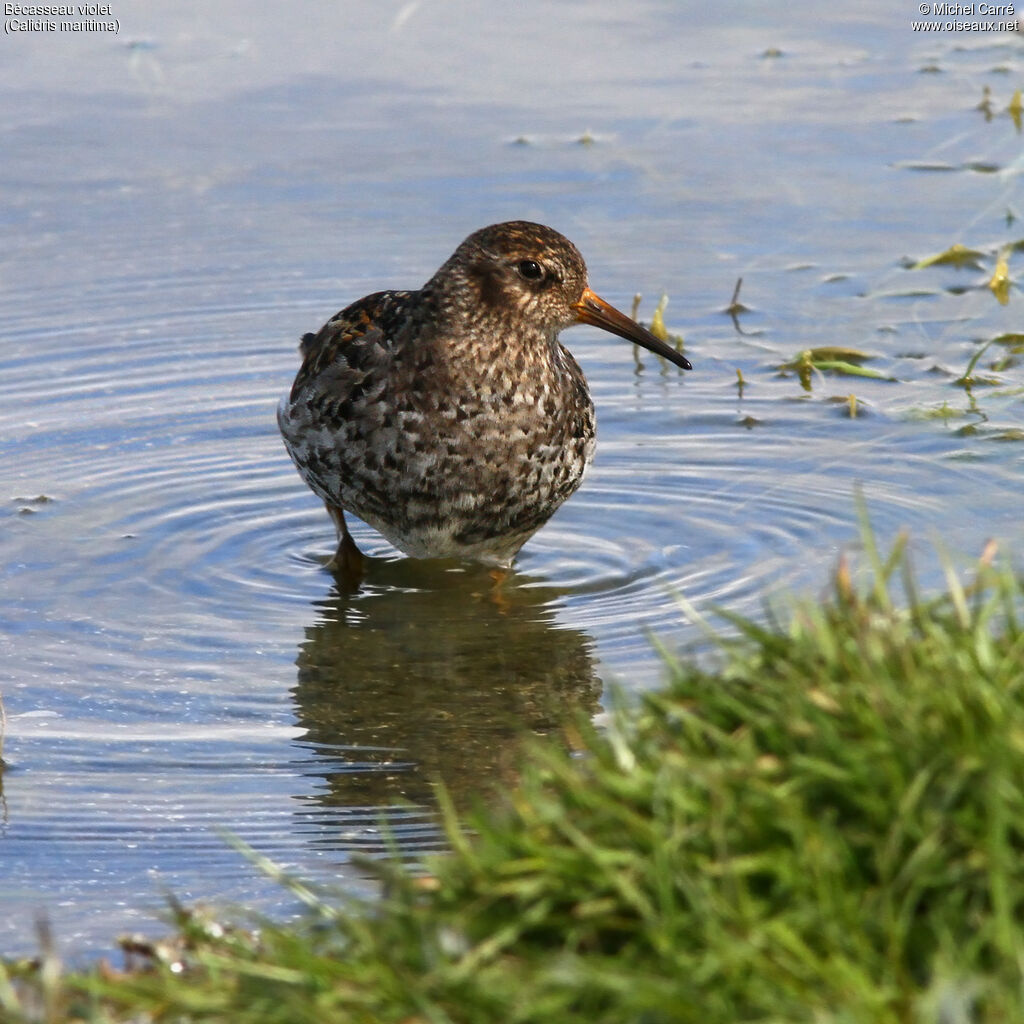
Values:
[(531, 270)]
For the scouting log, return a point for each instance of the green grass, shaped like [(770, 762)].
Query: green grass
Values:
[(825, 826)]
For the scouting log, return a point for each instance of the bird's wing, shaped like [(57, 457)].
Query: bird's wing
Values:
[(338, 358)]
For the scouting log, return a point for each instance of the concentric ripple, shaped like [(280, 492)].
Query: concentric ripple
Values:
[(178, 662), (174, 660), (729, 518)]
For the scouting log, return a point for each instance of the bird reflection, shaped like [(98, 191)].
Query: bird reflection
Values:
[(429, 672)]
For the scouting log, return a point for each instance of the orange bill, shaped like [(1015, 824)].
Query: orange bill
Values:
[(592, 309)]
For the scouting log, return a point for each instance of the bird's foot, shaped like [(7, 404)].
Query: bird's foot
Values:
[(348, 561)]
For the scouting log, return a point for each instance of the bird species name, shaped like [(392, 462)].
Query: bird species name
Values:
[(20, 18), (57, 10)]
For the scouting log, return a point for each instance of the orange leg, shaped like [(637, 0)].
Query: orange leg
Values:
[(348, 560)]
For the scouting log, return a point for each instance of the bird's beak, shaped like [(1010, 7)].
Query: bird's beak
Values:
[(592, 309)]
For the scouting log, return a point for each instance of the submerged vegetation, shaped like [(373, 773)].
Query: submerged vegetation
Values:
[(825, 825), (834, 359), (974, 271)]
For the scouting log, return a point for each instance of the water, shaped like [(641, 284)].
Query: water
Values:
[(183, 200)]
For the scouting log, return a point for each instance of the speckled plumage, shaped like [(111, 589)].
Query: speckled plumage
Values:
[(451, 419)]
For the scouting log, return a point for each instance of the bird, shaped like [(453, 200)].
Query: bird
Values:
[(451, 419)]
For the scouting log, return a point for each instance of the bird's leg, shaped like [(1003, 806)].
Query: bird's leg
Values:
[(498, 595), (348, 559)]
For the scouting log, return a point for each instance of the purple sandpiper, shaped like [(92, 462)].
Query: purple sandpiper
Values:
[(451, 419)]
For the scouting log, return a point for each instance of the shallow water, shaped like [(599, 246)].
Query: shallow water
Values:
[(184, 200)]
